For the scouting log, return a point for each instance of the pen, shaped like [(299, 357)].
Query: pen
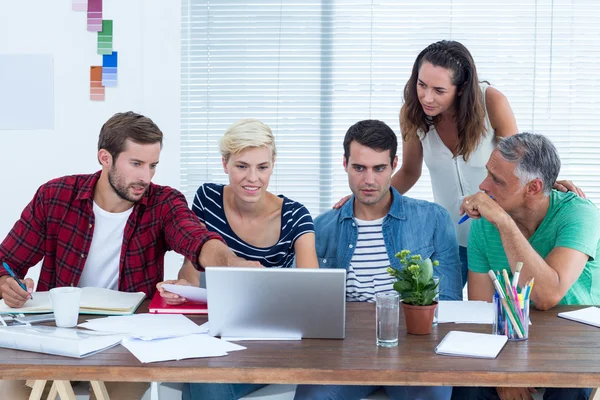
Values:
[(466, 216), (463, 219), (11, 273)]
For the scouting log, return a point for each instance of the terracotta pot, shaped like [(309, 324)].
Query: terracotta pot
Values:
[(419, 319)]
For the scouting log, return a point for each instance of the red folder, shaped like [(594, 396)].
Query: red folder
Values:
[(159, 306)]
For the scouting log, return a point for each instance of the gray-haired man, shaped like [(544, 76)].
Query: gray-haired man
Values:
[(520, 218)]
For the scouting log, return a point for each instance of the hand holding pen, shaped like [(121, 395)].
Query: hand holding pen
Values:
[(482, 205), (15, 292)]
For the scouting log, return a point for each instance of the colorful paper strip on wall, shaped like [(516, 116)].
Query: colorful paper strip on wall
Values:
[(105, 37), (109, 69), (80, 5), (105, 75), (94, 16), (96, 88)]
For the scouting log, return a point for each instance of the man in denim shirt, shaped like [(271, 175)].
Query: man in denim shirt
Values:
[(365, 233)]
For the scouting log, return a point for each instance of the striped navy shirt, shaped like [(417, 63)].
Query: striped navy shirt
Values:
[(295, 222), (367, 273)]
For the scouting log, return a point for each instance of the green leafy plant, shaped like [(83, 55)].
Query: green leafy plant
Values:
[(415, 281)]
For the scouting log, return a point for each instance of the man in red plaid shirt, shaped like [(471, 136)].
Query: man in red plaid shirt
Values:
[(136, 220), (110, 229)]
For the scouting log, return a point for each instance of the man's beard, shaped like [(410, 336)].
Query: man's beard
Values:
[(120, 189)]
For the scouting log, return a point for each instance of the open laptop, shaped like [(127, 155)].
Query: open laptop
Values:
[(273, 303)]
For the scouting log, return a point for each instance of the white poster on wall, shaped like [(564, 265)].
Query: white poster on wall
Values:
[(26, 91)]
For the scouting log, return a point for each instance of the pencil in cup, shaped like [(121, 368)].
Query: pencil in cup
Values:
[(508, 310)]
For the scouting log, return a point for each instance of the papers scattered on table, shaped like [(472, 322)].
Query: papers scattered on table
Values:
[(192, 293), (149, 337), (163, 337), (466, 312), (589, 315), (179, 348), (67, 342), (146, 326), (469, 344)]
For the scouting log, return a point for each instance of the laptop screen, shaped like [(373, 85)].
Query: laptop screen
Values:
[(273, 303)]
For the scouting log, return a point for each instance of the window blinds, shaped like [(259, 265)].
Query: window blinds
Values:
[(311, 69)]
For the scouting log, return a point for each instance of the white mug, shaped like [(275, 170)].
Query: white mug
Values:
[(65, 303)]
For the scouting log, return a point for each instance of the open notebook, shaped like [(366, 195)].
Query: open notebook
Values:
[(93, 301), (589, 315), (469, 344)]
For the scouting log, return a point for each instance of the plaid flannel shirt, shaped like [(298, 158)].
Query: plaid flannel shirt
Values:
[(58, 224)]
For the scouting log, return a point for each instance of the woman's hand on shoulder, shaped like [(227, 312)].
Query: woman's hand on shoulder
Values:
[(172, 298), (341, 202), (569, 186)]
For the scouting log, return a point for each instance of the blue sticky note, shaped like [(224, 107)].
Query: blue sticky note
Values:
[(109, 60)]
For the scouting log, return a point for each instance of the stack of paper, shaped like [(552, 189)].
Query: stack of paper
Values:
[(146, 326), (93, 301), (163, 337), (469, 344), (466, 312), (589, 315), (59, 341)]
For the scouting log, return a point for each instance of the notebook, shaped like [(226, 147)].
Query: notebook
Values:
[(469, 344), (159, 306), (589, 315), (66, 342), (93, 301)]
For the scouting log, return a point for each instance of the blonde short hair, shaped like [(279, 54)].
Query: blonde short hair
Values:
[(244, 134)]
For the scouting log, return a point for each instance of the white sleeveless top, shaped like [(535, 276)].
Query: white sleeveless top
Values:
[(451, 177)]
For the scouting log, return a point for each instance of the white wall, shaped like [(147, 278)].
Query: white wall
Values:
[(147, 37)]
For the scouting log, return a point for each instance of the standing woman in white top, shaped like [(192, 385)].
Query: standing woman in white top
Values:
[(452, 121)]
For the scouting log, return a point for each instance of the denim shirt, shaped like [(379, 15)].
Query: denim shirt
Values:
[(419, 226)]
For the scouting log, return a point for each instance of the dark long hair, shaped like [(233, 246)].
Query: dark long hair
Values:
[(470, 113)]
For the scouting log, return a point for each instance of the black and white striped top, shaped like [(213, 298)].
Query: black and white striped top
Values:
[(367, 272), (295, 222)]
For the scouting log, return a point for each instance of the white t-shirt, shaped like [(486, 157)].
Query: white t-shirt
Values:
[(102, 264), (367, 273)]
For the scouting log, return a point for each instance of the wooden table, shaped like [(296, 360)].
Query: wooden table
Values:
[(559, 353)]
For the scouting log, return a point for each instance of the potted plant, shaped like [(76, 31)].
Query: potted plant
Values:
[(414, 282)]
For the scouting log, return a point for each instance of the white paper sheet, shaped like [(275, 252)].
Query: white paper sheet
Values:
[(193, 346), (588, 315), (466, 312), (469, 344), (146, 326), (26, 91), (189, 292)]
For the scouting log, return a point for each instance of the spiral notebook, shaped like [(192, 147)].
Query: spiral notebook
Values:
[(589, 315), (469, 344)]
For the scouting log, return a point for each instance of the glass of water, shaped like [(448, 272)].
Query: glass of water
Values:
[(387, 318)]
